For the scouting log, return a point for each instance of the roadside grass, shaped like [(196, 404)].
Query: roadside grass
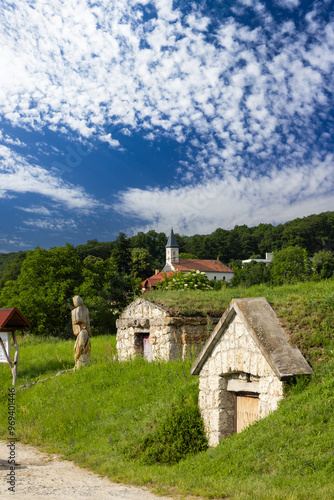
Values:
[(100, 416), (130, 421), (42, 357)]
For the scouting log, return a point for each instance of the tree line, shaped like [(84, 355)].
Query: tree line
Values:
[(41, 283)]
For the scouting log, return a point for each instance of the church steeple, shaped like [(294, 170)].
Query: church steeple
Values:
[(172, 250)]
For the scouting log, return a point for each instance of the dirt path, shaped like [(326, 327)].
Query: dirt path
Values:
[(42, 476)]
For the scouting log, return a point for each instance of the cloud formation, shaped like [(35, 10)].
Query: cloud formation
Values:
[(276, 197), (249, 101), (18, 176)]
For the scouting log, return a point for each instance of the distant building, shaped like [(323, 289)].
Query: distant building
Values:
[(266, 261), (214, 269)]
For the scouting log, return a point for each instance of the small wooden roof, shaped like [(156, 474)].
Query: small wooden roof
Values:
[(11, 319), (267, 333)]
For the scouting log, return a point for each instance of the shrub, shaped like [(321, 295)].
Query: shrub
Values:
[(172, 435), (195, 280)]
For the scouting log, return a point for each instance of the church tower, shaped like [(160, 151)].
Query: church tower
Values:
[(172, 250)]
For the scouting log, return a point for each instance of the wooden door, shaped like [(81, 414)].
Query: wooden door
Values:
[(147, 348), (246, 410)]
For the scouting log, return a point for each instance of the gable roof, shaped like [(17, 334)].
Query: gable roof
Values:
[(140, 301), (264, 328), (11, 319), (156, 278), (205, 265)]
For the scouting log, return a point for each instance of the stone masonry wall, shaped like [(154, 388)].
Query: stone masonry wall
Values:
[(139, 318), (170, 337), (236, 356)]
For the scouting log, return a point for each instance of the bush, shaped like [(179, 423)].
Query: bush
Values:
[(290, 265), (195, 280), (254, 273), (173, 435)]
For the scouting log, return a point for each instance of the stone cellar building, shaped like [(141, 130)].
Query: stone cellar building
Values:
[(242, 368), (149, 330)]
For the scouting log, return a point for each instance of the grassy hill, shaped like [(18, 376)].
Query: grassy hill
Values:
[(138, 422), (306, 310)]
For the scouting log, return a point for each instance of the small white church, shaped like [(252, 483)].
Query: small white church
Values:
[(214, 269)]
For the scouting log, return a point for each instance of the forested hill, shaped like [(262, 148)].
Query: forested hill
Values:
[(314, 233)]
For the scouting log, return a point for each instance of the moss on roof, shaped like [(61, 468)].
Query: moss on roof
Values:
[(305, 310), (191, 303)]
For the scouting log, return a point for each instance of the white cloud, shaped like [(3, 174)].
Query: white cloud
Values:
[(274, 198), (7, 139), (51, 224), (252, 100), (17, 176), (36, 210), (65, 64), (288, 4), (114, 143)]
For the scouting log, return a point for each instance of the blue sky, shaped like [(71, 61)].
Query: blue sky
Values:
[(130, 116)]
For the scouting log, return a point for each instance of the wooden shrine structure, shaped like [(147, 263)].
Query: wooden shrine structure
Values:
[(11, 320)]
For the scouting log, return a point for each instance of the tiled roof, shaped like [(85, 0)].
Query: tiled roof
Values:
[(12, 319), (156, 278), (214, 266)]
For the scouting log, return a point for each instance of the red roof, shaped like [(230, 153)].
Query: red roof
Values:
[(12, 319), (214, 266), (155, 279)]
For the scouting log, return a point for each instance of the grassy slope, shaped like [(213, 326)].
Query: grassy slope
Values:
[(93, 416), (306, 310)]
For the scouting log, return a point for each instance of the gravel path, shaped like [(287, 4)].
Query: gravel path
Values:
[(42, 476)]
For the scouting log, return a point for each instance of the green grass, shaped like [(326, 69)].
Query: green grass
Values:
[(306, 310), (100, 415), (114, 417), (42, 357)]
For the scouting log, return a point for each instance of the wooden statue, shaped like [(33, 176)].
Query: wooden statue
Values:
[(81, 329)]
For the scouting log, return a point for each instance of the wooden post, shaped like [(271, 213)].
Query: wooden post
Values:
[(16, 358), (12, 366)]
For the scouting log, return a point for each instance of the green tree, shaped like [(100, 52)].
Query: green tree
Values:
[(289, 265), (44, 289), (154, 242), (106, 292), (253, 273), (95, 248), (323, 264), (121, 254), (142, 265), (185, 255), (13, 269)]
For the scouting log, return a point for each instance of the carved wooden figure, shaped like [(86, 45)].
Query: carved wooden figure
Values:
[(81, 329)]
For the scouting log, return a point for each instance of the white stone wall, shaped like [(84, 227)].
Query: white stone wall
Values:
[(139, 318), (236, 356), (219, 276), (170, 337)]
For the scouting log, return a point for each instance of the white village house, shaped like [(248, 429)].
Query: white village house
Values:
[(214, 269), (242, 368)]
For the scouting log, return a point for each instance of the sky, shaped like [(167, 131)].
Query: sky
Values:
[(136, 115)]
